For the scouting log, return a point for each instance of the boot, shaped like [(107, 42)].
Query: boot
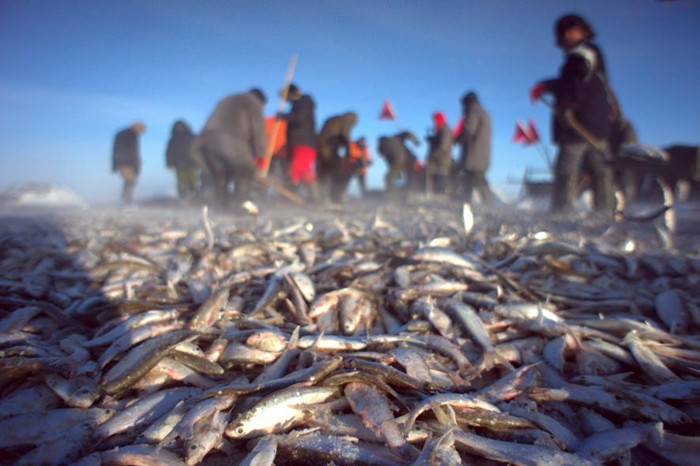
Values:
[(314, 191), (563, 193), (128, 193), (603, 195)]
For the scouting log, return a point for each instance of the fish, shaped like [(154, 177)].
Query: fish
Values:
[(140, 360), (391, 334), (623, 403), (277, 411), (467, 317), (607, 446), (370, 403), (40, 427), (515, 453), (142, 412)]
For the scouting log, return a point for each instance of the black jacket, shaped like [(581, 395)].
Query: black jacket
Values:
[(301, 123), (125, 152), (178, 154), (581, 87)]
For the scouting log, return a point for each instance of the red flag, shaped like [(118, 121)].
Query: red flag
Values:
[(533, 130), (525, 134), (387, 112)]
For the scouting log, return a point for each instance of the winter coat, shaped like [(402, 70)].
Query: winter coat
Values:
[(125, 152), (440, 154), (301, 123), (234, 131), (335, 134), (475, 139), (581, 87), (395, 151), (179, 152)]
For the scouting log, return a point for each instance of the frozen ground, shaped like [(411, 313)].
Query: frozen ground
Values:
[(418, 219)]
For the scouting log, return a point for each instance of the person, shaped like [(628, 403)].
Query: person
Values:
[(126, 158), (473, 135), (178, 157), (333, 139), (439, 160), (301, 140), (359, 160), (399, 158), (581, 119), (231, 138), (279, 161)]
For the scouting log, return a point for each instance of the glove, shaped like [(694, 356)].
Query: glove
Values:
[(537, 91)]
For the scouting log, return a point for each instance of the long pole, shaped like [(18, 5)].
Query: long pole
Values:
[(280, 108), (292, 196), (545, 154)]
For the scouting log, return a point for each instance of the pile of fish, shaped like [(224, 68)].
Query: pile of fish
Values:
[(382, 336)]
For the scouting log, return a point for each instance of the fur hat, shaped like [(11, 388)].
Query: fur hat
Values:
[(468, 98), (293, 92), (566, 22), (139, 127)]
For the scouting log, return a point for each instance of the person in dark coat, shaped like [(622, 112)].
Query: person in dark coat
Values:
[(233, 135), (439, 160), (178, 157), (581, 120), (126, 158), (301, 140), (334, 138), (399, 158), (359, 160), (474, 138)]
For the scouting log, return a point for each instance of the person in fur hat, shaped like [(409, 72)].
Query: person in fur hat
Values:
[(582, 117)]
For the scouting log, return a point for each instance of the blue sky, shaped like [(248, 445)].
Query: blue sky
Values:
[(72, 73)]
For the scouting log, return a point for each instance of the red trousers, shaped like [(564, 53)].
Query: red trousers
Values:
[(301, 164)]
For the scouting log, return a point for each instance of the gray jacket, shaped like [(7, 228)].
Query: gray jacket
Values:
[(440, 155), (475, 139), (235, 131), (396, 152)]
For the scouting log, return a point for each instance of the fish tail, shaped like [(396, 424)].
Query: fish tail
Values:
[(492, 358)]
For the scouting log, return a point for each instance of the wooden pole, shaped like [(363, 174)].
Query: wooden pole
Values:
[(280, 108), (283, 191)]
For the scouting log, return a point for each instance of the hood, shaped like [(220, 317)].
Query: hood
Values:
[(439, 120), (180, 127)]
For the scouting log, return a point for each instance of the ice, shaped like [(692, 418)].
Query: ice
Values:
[(42, 195)]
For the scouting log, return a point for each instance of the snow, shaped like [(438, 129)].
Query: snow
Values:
[(42, 195)]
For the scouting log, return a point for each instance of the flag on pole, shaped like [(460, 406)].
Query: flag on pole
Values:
[(533, 130), (387, 112), (526, 134), (457, 131)]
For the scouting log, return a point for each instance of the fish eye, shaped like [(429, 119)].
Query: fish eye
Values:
[(240, 431), (193, 447)]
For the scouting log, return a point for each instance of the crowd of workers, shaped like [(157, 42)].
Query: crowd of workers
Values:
[(238, 146)]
